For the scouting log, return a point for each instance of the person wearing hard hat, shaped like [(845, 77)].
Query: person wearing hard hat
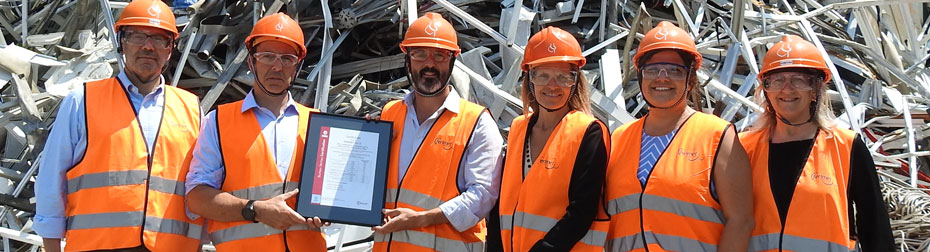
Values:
[(807, 173), (247, 161), (556, 156), (111, 174), (444, 174), (677, 179)]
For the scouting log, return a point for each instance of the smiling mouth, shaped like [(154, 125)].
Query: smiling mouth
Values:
[(788, 99), (662, 89)]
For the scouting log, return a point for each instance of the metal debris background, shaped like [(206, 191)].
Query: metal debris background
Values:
[(879, 50)]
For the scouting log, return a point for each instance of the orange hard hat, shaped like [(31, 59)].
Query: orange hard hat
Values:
[(277, 26), (794, 51), (552, 45), (431, 30), (667, 36), (148, 13)]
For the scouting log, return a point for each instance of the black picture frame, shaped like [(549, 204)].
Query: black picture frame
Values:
[(335, 214)]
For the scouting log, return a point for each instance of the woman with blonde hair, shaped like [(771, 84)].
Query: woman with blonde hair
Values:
[(556, 155), (806, 172)]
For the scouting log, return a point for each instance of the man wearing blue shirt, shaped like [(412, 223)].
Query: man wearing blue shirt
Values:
[(246, 164), (111, 176)]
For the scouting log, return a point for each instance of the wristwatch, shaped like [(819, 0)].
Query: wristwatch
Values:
[(248, 211)]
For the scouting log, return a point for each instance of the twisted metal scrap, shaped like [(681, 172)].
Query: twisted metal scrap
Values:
[(909, 210)]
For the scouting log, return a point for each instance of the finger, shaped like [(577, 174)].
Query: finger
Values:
[(391, 212), (290, 194)]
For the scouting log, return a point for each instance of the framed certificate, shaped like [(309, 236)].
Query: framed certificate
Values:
[(345, 169)]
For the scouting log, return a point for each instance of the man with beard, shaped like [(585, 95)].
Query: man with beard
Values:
[(444, 175), (247, 161), (111, 175)]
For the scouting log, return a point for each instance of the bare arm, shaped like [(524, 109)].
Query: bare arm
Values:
[(734, 187), (222, 206), (405, 218), (51, 245)]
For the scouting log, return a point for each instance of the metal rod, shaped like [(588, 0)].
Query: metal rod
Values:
[(183, 61)]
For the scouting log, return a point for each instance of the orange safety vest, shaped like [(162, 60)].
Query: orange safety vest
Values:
[(675, 211), (430, 180), (817, 217), (530, 207), (119, 196), (251, 174)]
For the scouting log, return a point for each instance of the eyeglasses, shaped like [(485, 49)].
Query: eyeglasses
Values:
[(800, 82), (672, 71), (562, 78), (422, 54), (138, 38), (269, 58)]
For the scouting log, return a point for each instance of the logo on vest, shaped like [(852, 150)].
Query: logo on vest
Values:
[(689, 155), (823, 179), (548, 164), (444, 144), (432, 28)]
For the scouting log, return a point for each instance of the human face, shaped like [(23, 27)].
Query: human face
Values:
[(429, 68), (791, 94), (146, 51), (664, 79), (275, 64), (552, 83)]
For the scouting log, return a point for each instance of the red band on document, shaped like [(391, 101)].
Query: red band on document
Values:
[(320, 167)]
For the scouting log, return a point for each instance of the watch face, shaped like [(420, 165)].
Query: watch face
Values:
[(248, 212)]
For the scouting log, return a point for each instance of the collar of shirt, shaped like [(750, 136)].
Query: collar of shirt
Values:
[(249, 103), (133, 90), (451, 103)]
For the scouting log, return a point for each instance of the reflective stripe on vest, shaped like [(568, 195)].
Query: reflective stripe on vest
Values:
[(676, 194), (818, 217), (540, 198), (428, 240), (544, 224), (251, 174), (252, 230), (668, 242), (117, 195), (130, 219), (659, 203), (430, 180)]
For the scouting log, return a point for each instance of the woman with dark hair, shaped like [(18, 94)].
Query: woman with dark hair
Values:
[(677, 179)]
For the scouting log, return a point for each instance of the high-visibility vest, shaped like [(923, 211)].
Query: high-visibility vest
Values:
[(675, 211), (251, 174), (530, 207), (430, 180), (118, 195), (817, 217)]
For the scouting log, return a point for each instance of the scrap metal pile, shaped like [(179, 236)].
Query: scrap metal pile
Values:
[(879, 50)]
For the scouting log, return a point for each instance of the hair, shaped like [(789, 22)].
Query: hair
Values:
[(694, 96), (823, 117), (579, 99)]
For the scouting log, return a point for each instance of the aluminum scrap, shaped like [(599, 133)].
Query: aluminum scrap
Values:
[(879, 53)]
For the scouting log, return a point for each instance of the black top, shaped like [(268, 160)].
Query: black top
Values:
[(584, 191), (870, 222)]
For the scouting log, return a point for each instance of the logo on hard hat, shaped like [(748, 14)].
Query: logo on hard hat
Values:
[(662, 34), (784, 51), (432, 28), (552, 48), (279, 26), (154, 10)]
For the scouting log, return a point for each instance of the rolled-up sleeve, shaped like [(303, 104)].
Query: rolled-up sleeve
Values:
[(479, 176), (206, 166), (66, 144)]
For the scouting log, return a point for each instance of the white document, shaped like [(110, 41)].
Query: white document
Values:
[(345, 168)]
